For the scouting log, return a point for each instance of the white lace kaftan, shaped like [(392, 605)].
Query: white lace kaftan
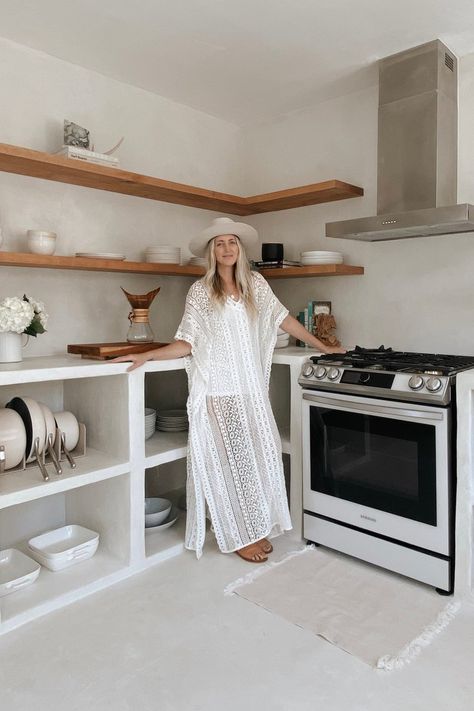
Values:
[(234, 457)]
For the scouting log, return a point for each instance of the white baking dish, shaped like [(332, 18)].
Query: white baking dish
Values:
[(63, 547), (17, 571)]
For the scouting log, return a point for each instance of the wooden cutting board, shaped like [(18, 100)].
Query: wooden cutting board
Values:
[(102, 351)]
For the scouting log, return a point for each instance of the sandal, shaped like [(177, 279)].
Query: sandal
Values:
[(252, 553), (265, 545)]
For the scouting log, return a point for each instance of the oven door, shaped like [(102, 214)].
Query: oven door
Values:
[(381, 466)]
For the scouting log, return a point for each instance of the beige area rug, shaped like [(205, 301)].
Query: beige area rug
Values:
[(379, 617)]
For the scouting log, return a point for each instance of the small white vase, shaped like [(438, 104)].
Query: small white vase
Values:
[(10, 347)]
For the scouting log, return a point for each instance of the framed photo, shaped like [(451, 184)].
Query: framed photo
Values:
[(321, 307)]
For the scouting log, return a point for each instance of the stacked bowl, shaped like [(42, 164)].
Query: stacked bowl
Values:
[(172, 420), (320, 257), (283, 339), (163, 254)]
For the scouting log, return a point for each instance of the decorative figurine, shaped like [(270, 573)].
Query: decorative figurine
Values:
[(325, 324)]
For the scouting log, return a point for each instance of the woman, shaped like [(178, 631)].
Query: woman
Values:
[(234, 462)]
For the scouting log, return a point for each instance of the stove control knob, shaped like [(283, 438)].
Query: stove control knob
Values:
[(333, 373), (307, 370), (320, 372), (416, 382), (434, 384)]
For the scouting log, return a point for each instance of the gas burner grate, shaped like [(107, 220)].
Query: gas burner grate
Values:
[(395, 361)]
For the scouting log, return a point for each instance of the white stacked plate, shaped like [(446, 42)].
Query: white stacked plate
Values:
[(64, 546), (163, 254), (198, 261), (172, 420), (102, 255), (321, 257), (150, 422)]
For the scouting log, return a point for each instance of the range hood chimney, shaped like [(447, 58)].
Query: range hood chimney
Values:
[(417, 151)]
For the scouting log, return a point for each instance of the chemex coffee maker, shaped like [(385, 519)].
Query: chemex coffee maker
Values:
[(140, 329)]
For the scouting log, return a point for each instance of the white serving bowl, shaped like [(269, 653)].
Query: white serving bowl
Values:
[(67, 423), (17, 570), (63, 547), (41, 242), (12, 436), (156, 511)]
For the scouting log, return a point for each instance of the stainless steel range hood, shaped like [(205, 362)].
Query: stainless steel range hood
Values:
[(417, 151)]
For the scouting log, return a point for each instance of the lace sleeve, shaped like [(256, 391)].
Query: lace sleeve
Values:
[(270, 308)]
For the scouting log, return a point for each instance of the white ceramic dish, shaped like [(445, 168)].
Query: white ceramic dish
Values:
[(157, 511), (172, 518), (33, 420), (67, 423), (101, 255), (12, 436), (17, 571), (63, 547), (41, 242)]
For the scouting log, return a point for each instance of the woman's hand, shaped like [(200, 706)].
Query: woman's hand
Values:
[(296, 329), (137, 359), (335, 349)]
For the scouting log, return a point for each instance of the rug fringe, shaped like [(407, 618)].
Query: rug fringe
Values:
[(254, 574), (413, 648)]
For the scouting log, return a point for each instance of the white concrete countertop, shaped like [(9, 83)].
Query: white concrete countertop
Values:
[(59, 367)]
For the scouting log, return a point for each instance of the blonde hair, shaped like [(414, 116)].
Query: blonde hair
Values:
[(242, 274)]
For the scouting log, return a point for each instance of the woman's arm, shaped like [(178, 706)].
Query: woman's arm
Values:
[(296, 329), (177, 349)]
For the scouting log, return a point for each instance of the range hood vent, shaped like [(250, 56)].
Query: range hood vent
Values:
[(417, 151)]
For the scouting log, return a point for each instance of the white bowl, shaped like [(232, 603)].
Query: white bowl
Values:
[(156, 511), (12, 436), (67, 423), (41, 242)]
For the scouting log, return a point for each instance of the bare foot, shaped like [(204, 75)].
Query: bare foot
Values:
[(265, 545), (252, 553)]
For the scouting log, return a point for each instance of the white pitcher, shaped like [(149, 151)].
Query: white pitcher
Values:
[(10, 346)]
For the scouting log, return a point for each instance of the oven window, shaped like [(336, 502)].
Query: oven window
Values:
[(383, 463)]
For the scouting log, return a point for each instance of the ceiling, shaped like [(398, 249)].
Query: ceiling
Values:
[(244, 61)]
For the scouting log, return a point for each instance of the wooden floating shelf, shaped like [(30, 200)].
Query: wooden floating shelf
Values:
[(24, 161), (19, 259), (312, 271)]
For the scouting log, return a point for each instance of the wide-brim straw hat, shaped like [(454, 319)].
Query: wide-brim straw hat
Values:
[(223, 226)]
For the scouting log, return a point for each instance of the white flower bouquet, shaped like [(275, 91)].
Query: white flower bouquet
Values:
[(24, 315)]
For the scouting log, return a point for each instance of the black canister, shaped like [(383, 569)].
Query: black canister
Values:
[(272, 252)]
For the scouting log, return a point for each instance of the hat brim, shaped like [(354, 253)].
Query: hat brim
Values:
[(248, 236)]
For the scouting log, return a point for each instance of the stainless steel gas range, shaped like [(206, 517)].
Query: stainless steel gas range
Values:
[(379, 458)]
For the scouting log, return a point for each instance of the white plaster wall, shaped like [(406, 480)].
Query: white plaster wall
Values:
[(162, 138), (416, 294)]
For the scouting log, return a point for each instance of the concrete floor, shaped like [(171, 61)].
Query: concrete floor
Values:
[(169, 640)]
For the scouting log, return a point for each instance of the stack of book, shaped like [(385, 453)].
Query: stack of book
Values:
[(84, 154)]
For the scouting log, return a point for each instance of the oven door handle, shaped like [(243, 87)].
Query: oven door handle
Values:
[(391, 410)]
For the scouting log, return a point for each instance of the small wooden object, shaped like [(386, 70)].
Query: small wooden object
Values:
[(325, 325), (103, 351)]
